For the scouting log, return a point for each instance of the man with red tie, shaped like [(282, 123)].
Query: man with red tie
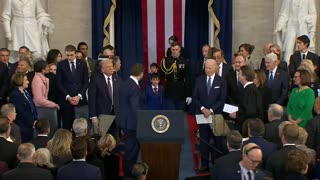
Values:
[(104, 95)]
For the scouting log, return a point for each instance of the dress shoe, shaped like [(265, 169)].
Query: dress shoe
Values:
[(203, 169)]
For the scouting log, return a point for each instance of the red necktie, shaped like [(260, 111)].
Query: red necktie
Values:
[(155, 91), (109, 88)]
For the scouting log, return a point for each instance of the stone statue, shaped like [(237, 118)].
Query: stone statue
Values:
[(26, 24), (296, 18)]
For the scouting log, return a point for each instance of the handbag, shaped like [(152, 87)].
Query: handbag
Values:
[(219, 126)]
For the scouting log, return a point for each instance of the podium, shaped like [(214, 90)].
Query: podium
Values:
[(161, 134)]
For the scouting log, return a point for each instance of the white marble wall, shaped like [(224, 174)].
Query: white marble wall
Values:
[(72, 19)]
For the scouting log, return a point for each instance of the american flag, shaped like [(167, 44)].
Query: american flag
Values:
[(160, 20)]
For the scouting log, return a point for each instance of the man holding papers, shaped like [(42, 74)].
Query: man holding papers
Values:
[(209, 97), (250, 105)]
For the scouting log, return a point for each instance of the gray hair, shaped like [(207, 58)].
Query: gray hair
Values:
[(25, 151), (7, 109), (272, 56), (80, 126), (276, 110), (42, 157)]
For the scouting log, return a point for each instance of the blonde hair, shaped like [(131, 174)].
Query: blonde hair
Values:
[(42, 157), (60, 144), (106, 144), (310, 68)]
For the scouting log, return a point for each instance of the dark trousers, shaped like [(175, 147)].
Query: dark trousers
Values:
[(67, 116), (205, 133), (132, 148), (175, 104)]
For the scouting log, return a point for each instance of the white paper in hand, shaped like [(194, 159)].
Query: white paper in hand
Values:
[(202, 120), (228, 108)]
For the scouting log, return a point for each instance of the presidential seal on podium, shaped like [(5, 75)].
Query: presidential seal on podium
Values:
[(160, 124)]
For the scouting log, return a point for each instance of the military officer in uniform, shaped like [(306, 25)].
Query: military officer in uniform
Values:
[(175, 72)]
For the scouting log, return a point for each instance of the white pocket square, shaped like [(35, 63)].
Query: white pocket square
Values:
[(216, 87)]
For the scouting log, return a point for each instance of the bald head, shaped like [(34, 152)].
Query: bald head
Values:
[(266, 48), (251, 156), (210, 67)]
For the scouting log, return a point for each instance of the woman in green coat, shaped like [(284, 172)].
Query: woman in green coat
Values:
[(301, 99)]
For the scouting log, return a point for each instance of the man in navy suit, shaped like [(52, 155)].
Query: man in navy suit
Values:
[(278, 80), (209, 97), (129, 105), (103, 95), (234, 143), (247, 167), (72, 82), (256, 132), (79, 168), (303, 43)]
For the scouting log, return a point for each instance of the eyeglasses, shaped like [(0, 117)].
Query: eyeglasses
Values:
[(296, 76), (254, 161)]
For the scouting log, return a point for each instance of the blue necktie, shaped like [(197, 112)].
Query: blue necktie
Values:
[(270, 80), (249, 175), (209, 85)]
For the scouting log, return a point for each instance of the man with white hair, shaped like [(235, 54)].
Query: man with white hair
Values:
[(275, 112), (80, 127), (26, 169), (278, 80)]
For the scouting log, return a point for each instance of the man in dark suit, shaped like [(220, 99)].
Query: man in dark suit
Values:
[(271, 132), (266, 50), (127, 121), (223, 68), (303, 43), (199, 69), (79, 168), (247, 167), (26, 169), (72, 82), (8, 150), (9, 111), (42, 127), (234, 143), (103, 95), (209, 97), (234, 87), (278, 80), (4, 83), (5, 57), (250, 105), (276, 163), (83, 47), (256, 132)]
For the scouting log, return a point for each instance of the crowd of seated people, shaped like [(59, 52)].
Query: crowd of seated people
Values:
[(278, 109)]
